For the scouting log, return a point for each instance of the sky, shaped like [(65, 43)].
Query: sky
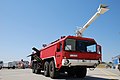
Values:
[(28, 23)]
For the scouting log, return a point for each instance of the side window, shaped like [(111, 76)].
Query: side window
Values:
[(91, 48), (59, 47)]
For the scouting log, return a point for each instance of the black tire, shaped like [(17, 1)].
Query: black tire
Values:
[(119, 67), (13, 67), (71, 73), (52, 70), (33, 70), (37, 71), (0, 68), (81, 72), (33, 67), (46, 69)]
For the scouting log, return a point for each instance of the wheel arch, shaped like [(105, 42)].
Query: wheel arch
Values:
[(50, 59)]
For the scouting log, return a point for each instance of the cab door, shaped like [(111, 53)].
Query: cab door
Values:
[(58, 55)]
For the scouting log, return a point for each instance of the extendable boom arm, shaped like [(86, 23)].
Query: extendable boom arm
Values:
[(101, 10)]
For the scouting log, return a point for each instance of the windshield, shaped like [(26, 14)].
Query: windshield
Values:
[(80, 45)]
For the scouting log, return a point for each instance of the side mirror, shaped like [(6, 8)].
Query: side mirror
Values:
[(99, 49)]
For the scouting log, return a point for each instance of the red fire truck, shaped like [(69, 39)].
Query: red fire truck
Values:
[(71, 54)]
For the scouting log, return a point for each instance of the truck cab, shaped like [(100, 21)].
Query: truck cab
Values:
[(79, 51)]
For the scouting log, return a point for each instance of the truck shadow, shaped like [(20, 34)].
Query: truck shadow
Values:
[(66, 77)]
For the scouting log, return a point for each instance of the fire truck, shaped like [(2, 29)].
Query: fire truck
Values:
[(70, 54)]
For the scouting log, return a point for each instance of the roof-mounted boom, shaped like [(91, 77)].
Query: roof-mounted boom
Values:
[(101, 10)]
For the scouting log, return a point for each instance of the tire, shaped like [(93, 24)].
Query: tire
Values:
[(33, 67), (13, 67), (71, 73), (46, 69), (33, 70), (81, 72), (37, 71), (119, 67), (52, 70), (0, 67)]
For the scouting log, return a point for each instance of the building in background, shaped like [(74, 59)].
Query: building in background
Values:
[(116, 61), (16, 64), (1, 64)]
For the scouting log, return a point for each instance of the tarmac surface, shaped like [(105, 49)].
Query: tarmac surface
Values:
[(26, 74)]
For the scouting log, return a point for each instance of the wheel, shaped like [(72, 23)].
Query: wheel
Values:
[(81, 72), (33, 67), (33, 70), (52, 70), (46, 69), (37, 71), (13, 67), (0, 68), (71, 72), (119, 67)]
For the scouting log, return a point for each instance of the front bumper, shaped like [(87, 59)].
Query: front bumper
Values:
[(76, 62)]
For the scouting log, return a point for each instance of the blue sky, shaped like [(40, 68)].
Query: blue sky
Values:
[(28, 23)]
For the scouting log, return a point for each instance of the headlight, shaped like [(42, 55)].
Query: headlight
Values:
[(66, 62)]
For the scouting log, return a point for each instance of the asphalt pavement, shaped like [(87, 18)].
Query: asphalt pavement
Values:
[(26, 74)]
